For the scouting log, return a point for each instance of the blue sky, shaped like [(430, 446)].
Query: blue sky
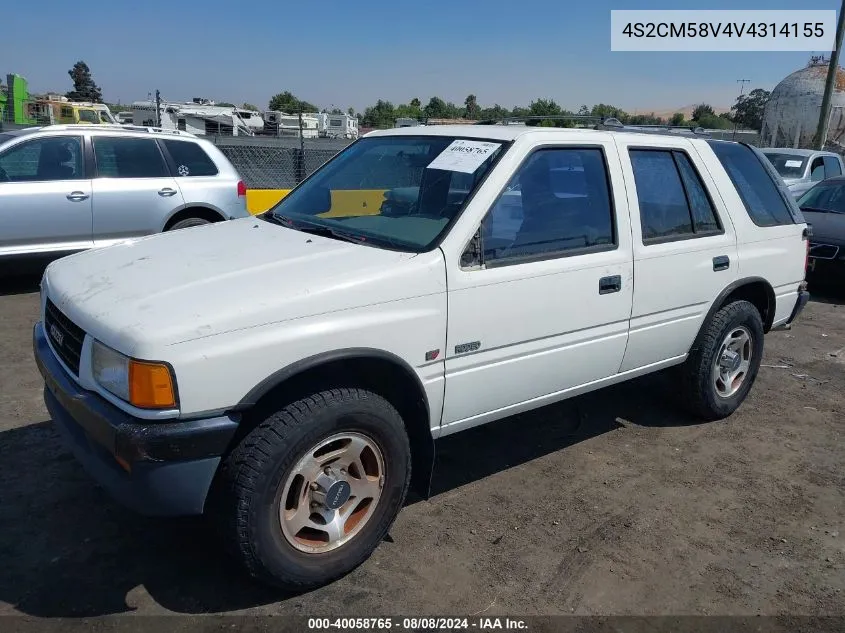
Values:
[(352, 53)]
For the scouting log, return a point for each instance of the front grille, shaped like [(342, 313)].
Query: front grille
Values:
[(65, 336), (823, 251)]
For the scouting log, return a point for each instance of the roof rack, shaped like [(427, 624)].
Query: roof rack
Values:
[(116, 126), (601, 123)]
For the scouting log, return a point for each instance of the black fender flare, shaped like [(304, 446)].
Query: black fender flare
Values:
[(732, 287), (422, 440)]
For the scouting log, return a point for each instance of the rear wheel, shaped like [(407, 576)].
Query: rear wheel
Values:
[(188, 222), (312, 490), (723, 364)]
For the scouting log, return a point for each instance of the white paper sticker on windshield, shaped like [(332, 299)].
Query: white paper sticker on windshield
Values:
[(792, 163), (464, 156)]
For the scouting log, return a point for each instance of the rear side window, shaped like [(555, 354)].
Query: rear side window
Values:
[(756, 187), (190, 159), (672, 199), (128, 158)]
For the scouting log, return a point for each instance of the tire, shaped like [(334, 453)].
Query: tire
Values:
[(189, 222), (706, 393), (251, 490)]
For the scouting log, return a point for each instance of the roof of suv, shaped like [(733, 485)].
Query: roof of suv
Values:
[(509, 132), (795, 151), (105, 127)]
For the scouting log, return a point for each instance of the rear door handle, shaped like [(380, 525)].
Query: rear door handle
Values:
[(77, 196), (722, 262), (167, 192), (610, 284)]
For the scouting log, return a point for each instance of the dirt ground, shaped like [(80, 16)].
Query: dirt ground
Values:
[(612, 503)]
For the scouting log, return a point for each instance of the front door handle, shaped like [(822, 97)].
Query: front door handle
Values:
[(167, 192), (610, 284), (77, 196), (722, 262)]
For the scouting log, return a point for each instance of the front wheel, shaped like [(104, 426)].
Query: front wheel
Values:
[(312, 490), (723, 364)]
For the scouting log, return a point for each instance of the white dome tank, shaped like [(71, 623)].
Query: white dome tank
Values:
[(792, 112)]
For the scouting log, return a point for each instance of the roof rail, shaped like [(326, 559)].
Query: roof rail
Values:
[(116, 126), (600, 123)]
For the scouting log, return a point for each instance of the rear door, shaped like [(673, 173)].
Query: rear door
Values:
[(199, 179), (134, 192), (45, 196), (684, 247)]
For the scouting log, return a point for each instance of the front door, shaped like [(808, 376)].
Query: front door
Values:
[(45, 197), (133, 190), (547, 310)]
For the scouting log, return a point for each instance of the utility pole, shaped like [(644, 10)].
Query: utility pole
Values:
[(158, 109), (824, 115), (741, 83)]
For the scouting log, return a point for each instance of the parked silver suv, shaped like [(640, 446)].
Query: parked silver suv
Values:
[(66, 188)]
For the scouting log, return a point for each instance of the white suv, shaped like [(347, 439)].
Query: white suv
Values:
[(66, 188), (288, 373)]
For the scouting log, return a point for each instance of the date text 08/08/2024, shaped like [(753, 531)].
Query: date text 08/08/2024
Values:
[(417, 624)]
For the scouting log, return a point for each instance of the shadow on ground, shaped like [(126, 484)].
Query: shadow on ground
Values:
[(68, 550)]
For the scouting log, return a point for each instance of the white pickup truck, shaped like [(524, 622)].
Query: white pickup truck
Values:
[(289, 373)]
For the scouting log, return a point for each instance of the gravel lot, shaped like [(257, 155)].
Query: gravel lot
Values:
[(613, 503)]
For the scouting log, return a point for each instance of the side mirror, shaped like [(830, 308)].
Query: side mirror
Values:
[(317, 199)]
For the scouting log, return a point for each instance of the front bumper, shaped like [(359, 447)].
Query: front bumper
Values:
[(154, 468)]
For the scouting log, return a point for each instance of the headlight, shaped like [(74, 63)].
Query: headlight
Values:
[(142, 384)]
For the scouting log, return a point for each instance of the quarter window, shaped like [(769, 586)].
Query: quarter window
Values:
[(831, 167), (47, 159), (754, 184), (190, 159), (557, 203), (672, 199), (128, 158)]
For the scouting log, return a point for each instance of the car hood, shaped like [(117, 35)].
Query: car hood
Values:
[(202, 281), (827, 227)]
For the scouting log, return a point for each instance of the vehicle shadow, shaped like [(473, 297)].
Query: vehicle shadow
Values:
[(21, 277), (69, 551)]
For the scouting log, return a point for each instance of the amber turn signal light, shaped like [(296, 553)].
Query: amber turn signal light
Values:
[(151, 385)]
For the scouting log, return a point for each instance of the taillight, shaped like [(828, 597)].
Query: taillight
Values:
[(241, 188)]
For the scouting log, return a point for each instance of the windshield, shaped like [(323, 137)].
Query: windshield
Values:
[(826, 197), (787, 165), (398, 192)]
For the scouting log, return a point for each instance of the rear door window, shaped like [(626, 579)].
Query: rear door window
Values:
[(190, 159), (672, 199), (121, 157), (755, 185)]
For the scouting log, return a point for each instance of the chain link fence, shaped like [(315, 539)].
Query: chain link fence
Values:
[(276, 162)]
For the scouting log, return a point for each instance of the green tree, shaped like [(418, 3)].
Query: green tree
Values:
[(604, 111), (287, 102), (496, 113), (701, 110), (645, 119), (583, 111), (249, 106), (415, 103), (350, 111), (677, 119), (84, 88), (435, 109), (382, 114), (748, 109), (471, 104)]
